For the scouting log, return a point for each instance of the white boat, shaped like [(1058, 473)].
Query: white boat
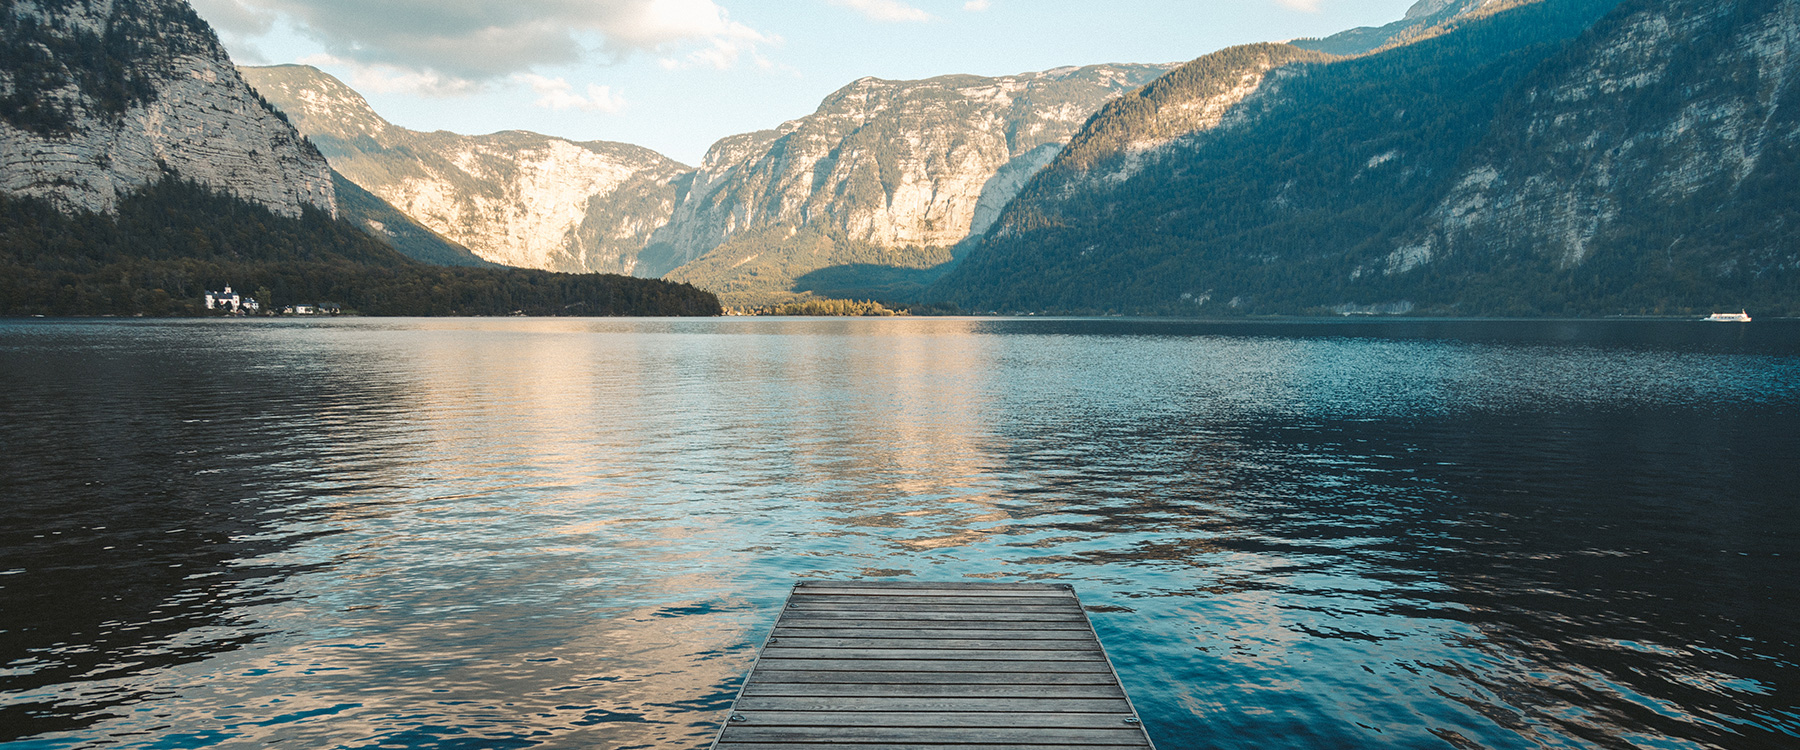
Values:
[(1736, 317)]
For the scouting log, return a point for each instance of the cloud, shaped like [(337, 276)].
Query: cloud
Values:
[(977, 6), (478, 41), (890, 11), (1304, 6), (379, 78), (557, 93)]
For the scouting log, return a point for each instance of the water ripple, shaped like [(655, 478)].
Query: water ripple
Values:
[(572, 533)]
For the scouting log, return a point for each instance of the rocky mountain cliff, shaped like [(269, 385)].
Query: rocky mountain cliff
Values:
[(886, 174), (1560, 157), (1670, 139), (515, 197), (382, 221), (102, 97)]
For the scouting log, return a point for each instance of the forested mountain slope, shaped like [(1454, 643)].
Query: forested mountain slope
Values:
[(166, 244), (1521, 164)]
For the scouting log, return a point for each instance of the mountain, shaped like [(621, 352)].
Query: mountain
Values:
[(1425, 19), (871, 191), (138, 170), (514, 197), (1559, 157), (167, 243), (881, 181), (399, 231), (1660, 156), (98, 99), (1134, 129)]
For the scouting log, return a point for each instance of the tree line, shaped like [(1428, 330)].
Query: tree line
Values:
[(171, 242)]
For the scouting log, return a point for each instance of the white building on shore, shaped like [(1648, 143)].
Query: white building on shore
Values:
[(232, 302)]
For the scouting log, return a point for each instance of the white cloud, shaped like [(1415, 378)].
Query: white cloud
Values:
[(452, 43), (558, 93), (977, 6), (380, 78), (1304, 6), (891, 11)]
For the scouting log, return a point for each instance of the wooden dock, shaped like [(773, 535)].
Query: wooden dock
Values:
[(905, 666)]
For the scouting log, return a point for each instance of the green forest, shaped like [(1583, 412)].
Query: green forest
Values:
[(171, 242)]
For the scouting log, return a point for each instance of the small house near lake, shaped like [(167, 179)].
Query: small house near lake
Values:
[(232, 302), (312, 308)]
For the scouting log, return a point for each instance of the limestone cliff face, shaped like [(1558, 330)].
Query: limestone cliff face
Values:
[(893, 164), (1673, 114), (101, 97), (514, 197)]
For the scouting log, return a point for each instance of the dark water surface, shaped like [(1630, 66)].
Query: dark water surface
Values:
[(501, 533)]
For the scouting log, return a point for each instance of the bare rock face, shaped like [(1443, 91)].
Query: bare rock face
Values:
[(101, 97), (892, 164), (514, 197), (1676, 113)]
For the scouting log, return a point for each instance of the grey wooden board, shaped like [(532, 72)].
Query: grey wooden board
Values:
[(938, 602), (928, 690), (910, 608), (1047, 591), (945, 642), (773, 675), (1124, 735), (1017, 617), (905, 585), (752, 704), (933, 746), (1081, 652), (934, 631), (932, 666), (856, 721)]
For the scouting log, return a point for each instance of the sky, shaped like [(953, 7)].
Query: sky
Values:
[(677, 75)]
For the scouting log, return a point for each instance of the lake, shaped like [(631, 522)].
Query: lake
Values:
[(548, 533)]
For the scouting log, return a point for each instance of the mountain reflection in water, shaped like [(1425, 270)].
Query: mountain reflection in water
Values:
[(572, 533)]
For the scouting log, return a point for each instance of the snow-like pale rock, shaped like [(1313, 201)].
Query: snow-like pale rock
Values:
[(895, 163), (514, 197)]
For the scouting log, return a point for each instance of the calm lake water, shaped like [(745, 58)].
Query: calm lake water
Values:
[(524, 533)]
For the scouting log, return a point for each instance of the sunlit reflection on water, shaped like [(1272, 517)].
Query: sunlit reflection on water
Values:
[(572, 533)]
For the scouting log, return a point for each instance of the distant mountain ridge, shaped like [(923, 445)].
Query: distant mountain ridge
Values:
[(884, 175), (515, 197)]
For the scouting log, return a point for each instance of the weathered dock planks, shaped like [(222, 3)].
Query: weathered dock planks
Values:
[(918, 666)]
